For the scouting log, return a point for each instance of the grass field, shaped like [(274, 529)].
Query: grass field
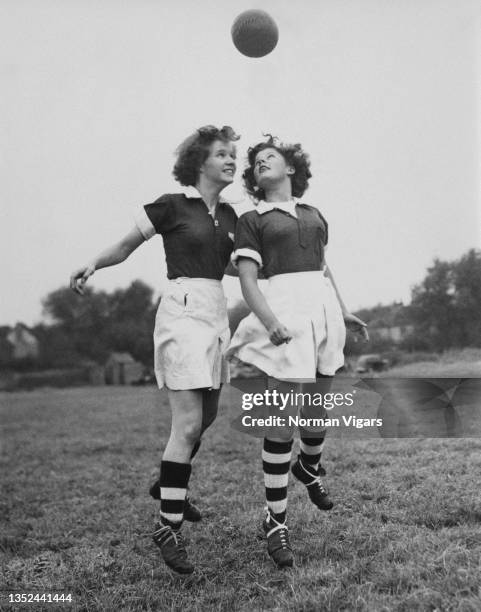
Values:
[(464, 362), (405, 533)]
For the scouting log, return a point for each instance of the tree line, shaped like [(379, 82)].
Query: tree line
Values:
[(91, 326), (445, 312)]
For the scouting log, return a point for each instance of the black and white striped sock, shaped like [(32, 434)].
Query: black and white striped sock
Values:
[(311, 450), (276, 458), (174, 478)]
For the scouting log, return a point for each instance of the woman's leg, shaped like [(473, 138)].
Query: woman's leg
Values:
[(186, 409), (210, 404), (276, 461), (307, 467)]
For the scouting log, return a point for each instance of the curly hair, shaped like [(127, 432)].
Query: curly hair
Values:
[(194, 150), (294, 156)]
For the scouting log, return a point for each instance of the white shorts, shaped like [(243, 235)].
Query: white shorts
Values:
[(306, 303), (191, 335)]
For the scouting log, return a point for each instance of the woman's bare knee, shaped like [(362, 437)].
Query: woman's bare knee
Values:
[(186, 409), (190, 433)]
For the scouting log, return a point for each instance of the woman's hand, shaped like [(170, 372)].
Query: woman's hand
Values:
[(356, 325), (79, 278), (278, 334), (248, 269)]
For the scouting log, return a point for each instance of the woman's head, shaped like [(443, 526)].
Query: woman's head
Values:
[(203, 150), (272, 161)]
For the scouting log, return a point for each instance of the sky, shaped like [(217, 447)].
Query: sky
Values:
[(384, 95)]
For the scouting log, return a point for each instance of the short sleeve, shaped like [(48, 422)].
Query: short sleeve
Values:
[(247, 239), (326, 230), (156, 218)]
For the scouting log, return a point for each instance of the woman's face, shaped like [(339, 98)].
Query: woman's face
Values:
[(270, 167), (220, 165)]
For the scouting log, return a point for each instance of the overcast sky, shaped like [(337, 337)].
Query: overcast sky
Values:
[(96, 95)]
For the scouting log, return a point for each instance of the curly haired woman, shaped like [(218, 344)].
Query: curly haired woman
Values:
[(297, 327), (191, 328)]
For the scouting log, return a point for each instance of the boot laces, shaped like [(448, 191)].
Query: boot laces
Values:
[(315, 482), (165, 533), (318, 485), (179, 540), (280, 528)]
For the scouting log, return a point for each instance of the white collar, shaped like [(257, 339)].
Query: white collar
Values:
[(192, 192), (289, 206)]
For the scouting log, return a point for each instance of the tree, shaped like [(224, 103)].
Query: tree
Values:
[(83, 320), (446, 305), (56, 349), (132, 317), (467, 298), (97, 323)]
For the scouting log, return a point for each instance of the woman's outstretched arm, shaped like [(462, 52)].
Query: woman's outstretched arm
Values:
[(112, 256)]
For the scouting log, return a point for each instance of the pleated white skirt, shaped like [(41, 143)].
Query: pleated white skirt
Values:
[(306, 303)]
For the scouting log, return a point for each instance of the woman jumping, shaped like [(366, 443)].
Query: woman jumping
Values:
[(191, 328), (296, 330)]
